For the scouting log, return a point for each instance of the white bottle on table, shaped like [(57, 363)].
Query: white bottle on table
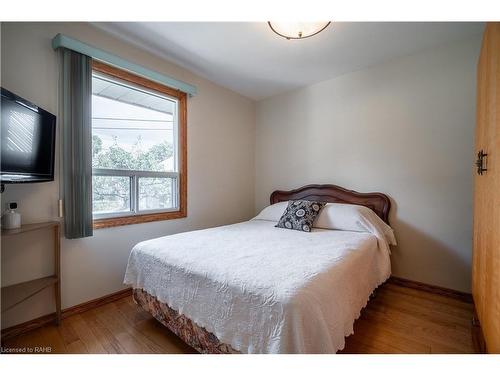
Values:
[(11, 219)]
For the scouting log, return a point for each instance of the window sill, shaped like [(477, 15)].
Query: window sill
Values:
[(138, 219)]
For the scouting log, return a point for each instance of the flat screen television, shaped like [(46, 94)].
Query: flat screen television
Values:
[(28, 135)]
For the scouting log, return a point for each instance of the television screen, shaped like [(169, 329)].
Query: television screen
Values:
[(28, 139)]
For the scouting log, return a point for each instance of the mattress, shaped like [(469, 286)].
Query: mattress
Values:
[(262, 289)]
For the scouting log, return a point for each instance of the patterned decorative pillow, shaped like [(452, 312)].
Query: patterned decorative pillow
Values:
[(300, 215)]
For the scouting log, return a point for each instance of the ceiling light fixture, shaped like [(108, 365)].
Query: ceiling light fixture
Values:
[(297, 30)]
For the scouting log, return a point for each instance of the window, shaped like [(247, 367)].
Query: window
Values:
[(138, 149)]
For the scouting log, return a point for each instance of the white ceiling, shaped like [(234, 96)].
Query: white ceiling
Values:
[(253, 61)]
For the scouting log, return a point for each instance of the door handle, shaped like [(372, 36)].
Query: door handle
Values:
[(481, 162)]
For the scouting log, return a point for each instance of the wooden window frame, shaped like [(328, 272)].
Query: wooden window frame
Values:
[(123, 75)]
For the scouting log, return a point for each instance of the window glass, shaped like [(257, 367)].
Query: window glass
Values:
[(156, 193), (134, 148), (110, 194), (131, 129)]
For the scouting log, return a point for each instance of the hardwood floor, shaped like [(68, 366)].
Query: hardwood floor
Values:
[(405, 320), (397, 320)]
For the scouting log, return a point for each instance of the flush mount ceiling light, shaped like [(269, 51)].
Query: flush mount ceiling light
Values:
[(297, 30)]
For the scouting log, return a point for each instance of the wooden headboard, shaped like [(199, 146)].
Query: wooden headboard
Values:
[(378, 202)]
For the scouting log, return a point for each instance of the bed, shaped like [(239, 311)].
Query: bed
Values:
[(254, 288)]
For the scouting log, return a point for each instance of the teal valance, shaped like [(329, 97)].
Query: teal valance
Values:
[(63, 41)]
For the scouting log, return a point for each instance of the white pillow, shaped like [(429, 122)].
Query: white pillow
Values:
[(341, 216), (272, 212), (352, 217)]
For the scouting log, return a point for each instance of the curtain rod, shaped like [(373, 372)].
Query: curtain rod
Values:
[(63, 41)]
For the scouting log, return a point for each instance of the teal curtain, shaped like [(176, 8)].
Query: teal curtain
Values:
[(76, 111)]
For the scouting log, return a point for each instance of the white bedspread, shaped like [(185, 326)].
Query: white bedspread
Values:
[(263, 289)]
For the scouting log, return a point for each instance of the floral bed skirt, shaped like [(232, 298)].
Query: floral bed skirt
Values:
[(192, 334)]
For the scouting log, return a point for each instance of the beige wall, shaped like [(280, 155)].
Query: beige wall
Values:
[(404, 128), (221, 131)]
